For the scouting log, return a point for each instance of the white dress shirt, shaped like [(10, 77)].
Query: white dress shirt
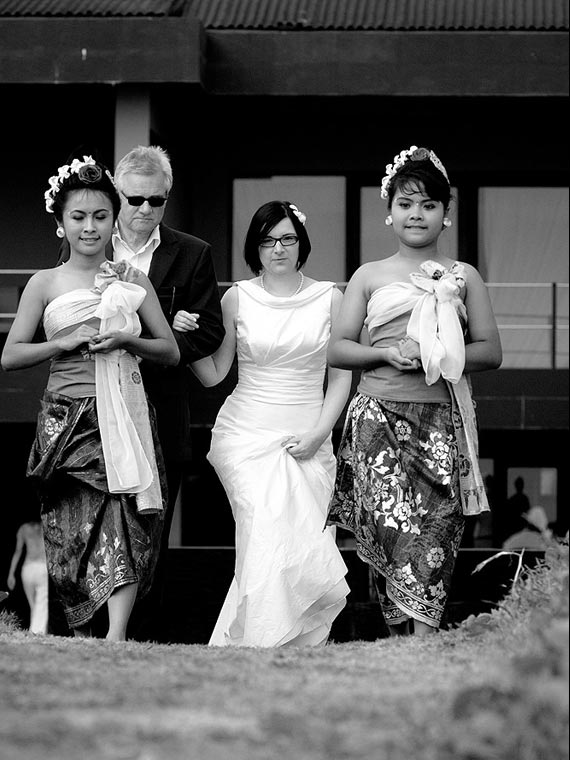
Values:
[(140, 259)]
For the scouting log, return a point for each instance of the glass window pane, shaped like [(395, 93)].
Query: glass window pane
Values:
[(322, 199), (562, 326), (524, 314), (523, 240), (539, 484)]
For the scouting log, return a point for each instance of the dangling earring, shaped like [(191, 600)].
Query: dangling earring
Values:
[(447, 222), (388, 220), (60, 232)]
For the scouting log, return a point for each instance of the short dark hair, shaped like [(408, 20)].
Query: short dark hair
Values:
[(420, 176), (265, 218)]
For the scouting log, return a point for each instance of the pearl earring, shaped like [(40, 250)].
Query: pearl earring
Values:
[(388, 220), (60, 232), (447, 222)]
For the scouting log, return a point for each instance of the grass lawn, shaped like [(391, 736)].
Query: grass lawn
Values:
[(494, 688)]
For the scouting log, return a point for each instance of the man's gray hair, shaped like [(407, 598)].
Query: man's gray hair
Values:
[(146, 160)]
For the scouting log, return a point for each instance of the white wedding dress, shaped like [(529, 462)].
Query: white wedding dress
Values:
[(289, 582)]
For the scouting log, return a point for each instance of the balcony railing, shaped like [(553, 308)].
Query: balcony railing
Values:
[(532, 317)]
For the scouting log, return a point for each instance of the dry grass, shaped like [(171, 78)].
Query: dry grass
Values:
[(496, 688)]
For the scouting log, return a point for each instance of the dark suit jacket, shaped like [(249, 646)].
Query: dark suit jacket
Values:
[(183, 276)]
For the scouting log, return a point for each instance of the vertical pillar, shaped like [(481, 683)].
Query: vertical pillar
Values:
[(132, 128), (132, 118)]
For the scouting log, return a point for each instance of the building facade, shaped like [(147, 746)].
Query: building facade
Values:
[(308, 100)]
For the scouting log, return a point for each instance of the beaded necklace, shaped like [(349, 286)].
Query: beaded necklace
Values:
[(300, 287)]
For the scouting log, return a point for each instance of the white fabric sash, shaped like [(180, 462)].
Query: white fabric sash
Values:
[(433, 298), (122, 409)]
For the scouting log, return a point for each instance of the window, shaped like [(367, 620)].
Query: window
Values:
[(539, 484), (523, 255)]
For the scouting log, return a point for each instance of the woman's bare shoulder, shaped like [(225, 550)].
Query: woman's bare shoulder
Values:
[(373, 275)]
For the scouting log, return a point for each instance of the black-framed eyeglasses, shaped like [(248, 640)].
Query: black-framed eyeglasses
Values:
[(271, 242), (153, 200)]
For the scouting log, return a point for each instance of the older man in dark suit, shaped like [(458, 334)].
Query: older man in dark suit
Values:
[(180, 267)]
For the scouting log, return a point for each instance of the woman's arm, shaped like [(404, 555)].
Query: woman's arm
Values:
[(16, 558), (483, 349), (213, 369), (346, 350), (161, 347)]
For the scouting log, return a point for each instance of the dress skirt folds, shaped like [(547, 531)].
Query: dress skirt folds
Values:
[(95, 541)]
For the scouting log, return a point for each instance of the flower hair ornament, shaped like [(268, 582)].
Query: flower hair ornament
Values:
[(87, 170), (299, 214), (412, 154)]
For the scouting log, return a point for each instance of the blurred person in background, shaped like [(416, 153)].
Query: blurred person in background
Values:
[(33, 573)]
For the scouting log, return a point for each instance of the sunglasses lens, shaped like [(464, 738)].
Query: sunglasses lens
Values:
[(137, 200)]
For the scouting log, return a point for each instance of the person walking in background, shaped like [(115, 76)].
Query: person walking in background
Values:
[(180, 268), (96, 458), (513, 519), (271, 442), (414, 323), (33, 573)]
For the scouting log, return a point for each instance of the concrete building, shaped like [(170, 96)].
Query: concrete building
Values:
[(309, 99)]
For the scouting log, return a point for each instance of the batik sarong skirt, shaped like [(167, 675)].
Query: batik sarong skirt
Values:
[(95, 541), (397, 491)]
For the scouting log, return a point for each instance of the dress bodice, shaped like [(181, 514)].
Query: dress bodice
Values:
[(282, 343), (72, 373), (429, 309), (70, 310)]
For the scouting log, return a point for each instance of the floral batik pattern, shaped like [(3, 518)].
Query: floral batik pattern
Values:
[(95, 541), (397, 491)]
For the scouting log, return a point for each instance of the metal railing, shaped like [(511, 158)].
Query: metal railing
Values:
[(553, 320)]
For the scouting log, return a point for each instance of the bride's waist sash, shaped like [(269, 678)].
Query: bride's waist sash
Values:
[(273, 385)]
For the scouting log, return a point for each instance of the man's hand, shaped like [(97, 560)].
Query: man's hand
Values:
[(185, 321)]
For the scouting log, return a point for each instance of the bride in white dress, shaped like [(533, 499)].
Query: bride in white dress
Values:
[(271, 443)]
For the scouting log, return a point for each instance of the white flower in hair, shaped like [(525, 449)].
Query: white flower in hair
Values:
[(87, 169), (299, 214), (412, 154)]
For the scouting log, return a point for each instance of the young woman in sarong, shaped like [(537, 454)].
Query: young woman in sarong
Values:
[(95, 459), (271, 443), (415, 323)]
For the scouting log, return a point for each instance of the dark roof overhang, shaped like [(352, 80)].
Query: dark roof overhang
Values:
[(180, 50), (107, 50)]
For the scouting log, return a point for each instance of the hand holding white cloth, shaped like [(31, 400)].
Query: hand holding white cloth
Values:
[(121, 403), (435, 322)]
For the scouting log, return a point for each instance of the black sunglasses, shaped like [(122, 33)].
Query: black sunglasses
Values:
[(137, 200)]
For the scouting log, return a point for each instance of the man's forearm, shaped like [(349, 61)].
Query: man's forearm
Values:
[(201, 342)]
